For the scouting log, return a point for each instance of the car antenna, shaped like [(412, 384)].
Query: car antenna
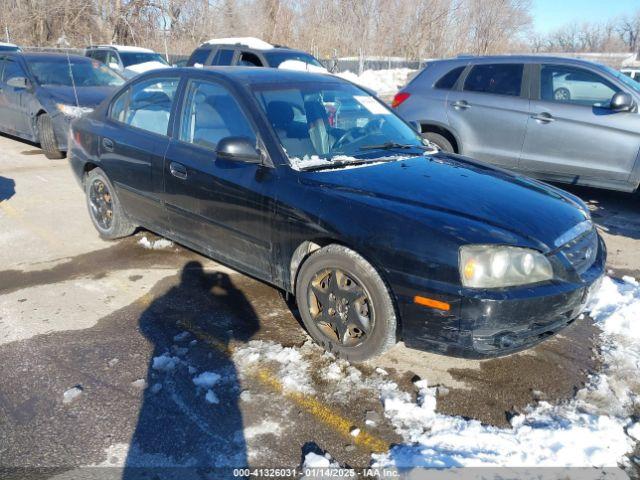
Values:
[(73, 81)]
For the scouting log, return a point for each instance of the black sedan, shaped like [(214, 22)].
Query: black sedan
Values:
[(377, 235), (40, 93)]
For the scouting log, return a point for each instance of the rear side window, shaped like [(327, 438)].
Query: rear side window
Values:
[(498, 79), (11, 70), (199, 56), (223, 57), (248, 59), (210, 114), (146, 105), (449, 79)]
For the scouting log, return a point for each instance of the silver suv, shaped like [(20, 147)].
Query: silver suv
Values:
[(558, 119)]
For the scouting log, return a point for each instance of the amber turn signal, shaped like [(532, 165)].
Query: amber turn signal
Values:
[(430, 302)]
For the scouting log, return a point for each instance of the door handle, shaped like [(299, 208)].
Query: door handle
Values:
[(178, 170), (543, 117), (460, 105), (108, 144)]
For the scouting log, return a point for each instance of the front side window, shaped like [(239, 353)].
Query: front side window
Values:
[(248, 59), (498, 79), (210, 114), (135, 58), (335, 122), (146, 105), (575, 85), (449, 79), (11, 70), (276, 58), (223, 57), (63, 73)]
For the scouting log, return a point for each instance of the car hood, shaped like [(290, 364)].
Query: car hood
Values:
[(461, 187), (87, 96)]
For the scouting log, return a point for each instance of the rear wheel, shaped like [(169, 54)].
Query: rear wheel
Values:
[(105, 209), (441, 142), (345, 305), (47, 138)]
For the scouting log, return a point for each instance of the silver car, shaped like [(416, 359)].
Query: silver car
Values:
[(558, 119)]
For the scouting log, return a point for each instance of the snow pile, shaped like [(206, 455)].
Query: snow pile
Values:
[(383, 82), (315, 460), (139, 68), (291, 368), (300, 66), (159, 244), (587, 431)]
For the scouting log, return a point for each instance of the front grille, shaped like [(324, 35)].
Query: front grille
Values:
[(582, 251)]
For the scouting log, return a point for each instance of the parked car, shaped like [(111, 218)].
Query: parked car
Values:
[(558, 119), (252, 52), (127, 61), (40, 93), (634, 73), (378, 237), (8, 47)]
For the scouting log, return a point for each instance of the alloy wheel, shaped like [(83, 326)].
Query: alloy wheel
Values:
[(340, 307), (101, 203)]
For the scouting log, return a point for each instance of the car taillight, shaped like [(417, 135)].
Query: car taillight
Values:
[(399, 98)]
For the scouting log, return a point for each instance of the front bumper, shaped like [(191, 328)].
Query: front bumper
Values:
[(490, 323)]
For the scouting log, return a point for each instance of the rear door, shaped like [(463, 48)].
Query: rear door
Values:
[(572, 134), (134, 141), (14, 116), (489, 112), (222, 207)]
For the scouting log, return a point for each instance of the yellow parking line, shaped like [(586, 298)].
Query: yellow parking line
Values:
[(37, 231)]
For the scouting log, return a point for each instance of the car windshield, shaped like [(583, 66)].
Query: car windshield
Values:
[(78, 73), (276, 58), (134, 58), (628, 81), (322, 125)]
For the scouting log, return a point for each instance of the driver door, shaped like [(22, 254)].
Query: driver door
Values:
[(14, 117), (575, 137)]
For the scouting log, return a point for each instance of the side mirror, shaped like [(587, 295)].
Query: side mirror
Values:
[(18, 82), (238, 149), (621, 102)]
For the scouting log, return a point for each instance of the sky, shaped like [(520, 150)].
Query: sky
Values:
[(548, 15)]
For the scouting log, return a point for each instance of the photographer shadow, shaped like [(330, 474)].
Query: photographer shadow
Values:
[(190, 423)]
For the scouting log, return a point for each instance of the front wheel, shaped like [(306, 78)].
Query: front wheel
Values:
[(47, 138), (345, 305), (105, 209)]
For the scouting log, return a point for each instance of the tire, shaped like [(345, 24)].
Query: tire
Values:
[(47, 138), (101, 198), (562, 94), (338, 269), (441, 142)]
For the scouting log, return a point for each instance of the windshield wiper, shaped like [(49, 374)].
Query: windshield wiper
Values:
[(393, 146), (345, 163)]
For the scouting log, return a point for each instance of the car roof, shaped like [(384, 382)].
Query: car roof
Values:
[(121, 48), (464, 59), (63, 57), (275, 48), (257, 75)]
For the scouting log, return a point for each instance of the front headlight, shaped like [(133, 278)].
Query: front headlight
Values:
[(496, 266), (72, 110)]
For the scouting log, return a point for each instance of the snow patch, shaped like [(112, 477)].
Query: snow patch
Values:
[(181, 336), (586, 431), (211, 397), (206, 379), (266, 427), (309, 161), (159, 244), (165, 363), (292, 369), (72, 394), (314, 460), (251, 42), (139, 68)]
